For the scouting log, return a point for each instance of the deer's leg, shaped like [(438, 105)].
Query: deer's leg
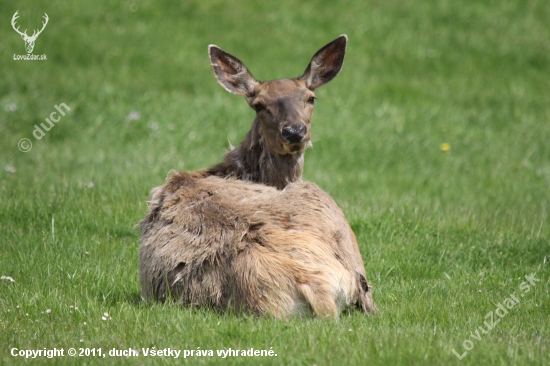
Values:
[(321, 301)]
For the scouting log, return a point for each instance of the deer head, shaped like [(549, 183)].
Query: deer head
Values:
[(29, 41), (283, 107)]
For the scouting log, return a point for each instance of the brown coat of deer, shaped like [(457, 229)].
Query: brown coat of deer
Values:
[(218, 238), (227, 243), (272, 152)]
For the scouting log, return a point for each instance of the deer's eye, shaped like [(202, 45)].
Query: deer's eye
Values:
[(311, 100), (258, 107)]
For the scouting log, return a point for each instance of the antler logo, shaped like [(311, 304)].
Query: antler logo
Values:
[(29, 41)]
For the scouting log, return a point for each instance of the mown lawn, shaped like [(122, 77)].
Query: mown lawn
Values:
[(434, 140)]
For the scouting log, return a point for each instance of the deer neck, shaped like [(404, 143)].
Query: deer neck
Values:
[(253, 161), (278, 171)]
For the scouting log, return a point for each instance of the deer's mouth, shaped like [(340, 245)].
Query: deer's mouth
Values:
[(295, 148)]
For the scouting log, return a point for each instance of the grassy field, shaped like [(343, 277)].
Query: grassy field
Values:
[(434, 140)]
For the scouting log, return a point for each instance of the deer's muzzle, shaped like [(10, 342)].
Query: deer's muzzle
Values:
[(294, 134)]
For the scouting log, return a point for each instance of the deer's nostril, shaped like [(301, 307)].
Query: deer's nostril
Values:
[(294, 133)]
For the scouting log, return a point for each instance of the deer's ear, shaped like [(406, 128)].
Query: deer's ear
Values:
[(231, 72), (326, 63)]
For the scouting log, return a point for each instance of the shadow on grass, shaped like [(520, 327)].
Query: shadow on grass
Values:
[(115, 297)]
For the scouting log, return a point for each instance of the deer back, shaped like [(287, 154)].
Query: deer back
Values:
[(228, 243)]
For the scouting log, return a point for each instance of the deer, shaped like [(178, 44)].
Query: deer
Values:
[(29, 41), (234, 245), (248, 234), (272, 152)]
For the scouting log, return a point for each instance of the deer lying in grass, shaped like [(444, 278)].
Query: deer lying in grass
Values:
[(227, 243), (272, 152), (217, 238)]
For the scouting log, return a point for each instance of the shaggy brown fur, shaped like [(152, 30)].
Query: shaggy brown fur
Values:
[(273, 151), (227, 243)]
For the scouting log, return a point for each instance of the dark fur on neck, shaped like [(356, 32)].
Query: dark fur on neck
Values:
[(251, 161)]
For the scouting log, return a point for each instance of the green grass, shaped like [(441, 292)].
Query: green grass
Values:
[(445, 236)]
